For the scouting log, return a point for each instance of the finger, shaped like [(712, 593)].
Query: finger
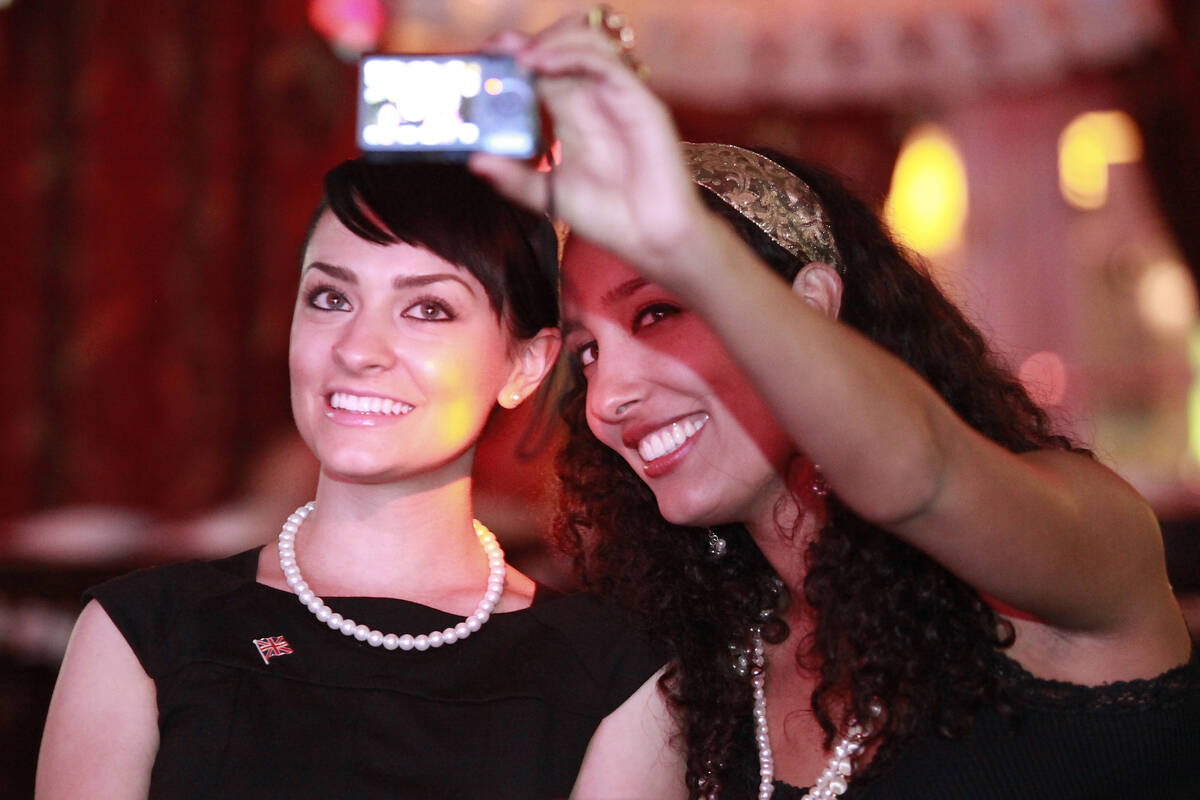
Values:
[(513, 179), (571, 21), (579, 38), (507, 42)]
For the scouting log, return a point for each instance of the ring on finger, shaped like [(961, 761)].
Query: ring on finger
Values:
[(603, 18)]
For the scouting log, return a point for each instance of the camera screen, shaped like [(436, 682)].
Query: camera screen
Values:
[(446, 104)]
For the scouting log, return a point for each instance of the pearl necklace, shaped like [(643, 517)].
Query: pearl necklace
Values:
[(390, 641), (834, 781)]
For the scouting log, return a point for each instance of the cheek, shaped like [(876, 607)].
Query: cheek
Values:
[(301, 355)]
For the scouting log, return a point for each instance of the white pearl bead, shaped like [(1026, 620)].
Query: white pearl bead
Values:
[(291, 569)]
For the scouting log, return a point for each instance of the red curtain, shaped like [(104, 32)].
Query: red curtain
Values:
[(160, 162)]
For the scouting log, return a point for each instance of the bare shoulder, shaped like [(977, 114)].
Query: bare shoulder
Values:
[(101, 729), (1148, 636), (519, 590), (635, 752)]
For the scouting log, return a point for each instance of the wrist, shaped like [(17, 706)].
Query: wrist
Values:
[(699, 256)]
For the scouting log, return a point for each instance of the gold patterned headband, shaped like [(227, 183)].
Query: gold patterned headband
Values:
[(784, 207)]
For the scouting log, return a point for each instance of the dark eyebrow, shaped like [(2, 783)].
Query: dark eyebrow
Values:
[(333, 271), (409, 281), (622, 291), (401, 282), (613, 295)]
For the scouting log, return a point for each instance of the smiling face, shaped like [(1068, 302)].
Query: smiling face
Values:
[(396, 359), (663, 393)]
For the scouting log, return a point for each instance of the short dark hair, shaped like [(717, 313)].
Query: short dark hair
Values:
[(449, 211)]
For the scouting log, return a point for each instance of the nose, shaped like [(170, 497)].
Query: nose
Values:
[(614, 390), (364, 344)]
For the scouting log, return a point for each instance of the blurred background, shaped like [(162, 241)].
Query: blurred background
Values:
[(160, 162)]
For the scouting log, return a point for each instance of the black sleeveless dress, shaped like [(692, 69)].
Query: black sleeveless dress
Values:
[(256, 698)]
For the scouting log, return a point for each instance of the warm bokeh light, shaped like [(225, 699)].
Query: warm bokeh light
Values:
[(493, 86), (1044, 376), (927, 205), (1166, 298), (1087, 147), (351, 26)]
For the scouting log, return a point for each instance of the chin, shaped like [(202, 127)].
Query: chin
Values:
[(691, 512)]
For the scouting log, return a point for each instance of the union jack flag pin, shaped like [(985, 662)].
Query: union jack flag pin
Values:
[(272, 646)]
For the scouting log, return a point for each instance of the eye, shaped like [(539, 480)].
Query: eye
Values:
[(587, 353), (653, 314), (429, 309), (327, 298)]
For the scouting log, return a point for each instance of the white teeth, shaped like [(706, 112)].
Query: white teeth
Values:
[(368, 405), (670, 438)]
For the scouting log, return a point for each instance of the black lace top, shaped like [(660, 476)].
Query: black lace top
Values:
[(1066, 742)]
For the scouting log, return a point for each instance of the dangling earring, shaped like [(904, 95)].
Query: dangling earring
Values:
[(817, 483), (716, 545)]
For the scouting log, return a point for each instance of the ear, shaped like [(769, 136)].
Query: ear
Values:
[(532, 362), (821, 287)]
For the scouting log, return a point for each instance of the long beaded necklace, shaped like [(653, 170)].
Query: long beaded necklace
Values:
[(390, 641), (834, 780)]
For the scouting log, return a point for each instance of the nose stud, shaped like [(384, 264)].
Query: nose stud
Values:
[(621, 409)]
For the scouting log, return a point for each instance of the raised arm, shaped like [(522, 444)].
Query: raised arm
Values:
[(1052, 533), (101, 732)]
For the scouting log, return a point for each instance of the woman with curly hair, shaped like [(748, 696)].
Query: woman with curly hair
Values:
[(877, 569)]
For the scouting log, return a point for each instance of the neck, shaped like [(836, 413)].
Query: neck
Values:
[(380, 540), (783, 532)]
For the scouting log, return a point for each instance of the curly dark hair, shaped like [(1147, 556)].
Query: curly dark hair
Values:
[(893, 625)]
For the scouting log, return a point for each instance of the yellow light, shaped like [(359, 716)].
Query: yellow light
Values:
[(927, 205), (493, 86), (1086, 148)]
